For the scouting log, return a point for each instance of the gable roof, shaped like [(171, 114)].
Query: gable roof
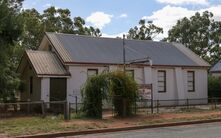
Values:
[(98, 50), (44, 63), (216, 67)]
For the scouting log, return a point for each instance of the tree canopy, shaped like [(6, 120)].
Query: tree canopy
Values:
[(10, 30), (24, 29), (144, 31), (201, 33), (52, 20)]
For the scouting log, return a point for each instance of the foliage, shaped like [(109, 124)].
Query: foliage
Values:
[(123, 90), (201, 34), (10, 29), (94, 91), (214, 86), (52, 20), (144, 31), (117, 85)]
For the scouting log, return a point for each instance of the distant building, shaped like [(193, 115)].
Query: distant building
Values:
[(63, 62), (216, 69)]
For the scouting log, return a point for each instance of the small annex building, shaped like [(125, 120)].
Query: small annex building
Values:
[(63, 62), (216, 69)]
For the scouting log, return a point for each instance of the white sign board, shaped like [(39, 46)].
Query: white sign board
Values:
[(145, 91)]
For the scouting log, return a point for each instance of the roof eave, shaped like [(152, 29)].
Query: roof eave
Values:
[(154, 65)]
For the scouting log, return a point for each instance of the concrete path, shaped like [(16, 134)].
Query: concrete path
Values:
[(208, 130)]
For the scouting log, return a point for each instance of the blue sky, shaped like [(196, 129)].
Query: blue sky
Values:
[(115, 17)]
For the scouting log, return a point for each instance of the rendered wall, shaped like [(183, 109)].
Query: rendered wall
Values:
[(176, 81)]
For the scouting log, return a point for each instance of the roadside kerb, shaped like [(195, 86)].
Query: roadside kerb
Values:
[(106, 130)]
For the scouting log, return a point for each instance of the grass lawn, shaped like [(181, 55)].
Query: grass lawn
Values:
[(34, 125)]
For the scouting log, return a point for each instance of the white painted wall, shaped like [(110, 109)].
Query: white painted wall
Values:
[(171, 92), (77, 80), (176, 81), (201, 85), (45, 89)]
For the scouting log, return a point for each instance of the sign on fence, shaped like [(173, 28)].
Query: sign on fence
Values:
[(145, 91)]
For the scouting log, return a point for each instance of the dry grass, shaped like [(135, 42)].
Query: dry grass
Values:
[(35, 125)]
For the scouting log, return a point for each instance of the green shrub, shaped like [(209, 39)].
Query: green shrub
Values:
[(94, 91), (120, 87), (214, 86), (123, 90)]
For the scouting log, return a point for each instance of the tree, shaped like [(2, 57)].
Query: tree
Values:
[(144, 31), (33, 29), (214, 86), (52, 20), (201, 34), (10, 29)]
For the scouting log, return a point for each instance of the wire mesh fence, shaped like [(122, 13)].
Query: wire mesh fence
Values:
[(34, 108), (142, 106)]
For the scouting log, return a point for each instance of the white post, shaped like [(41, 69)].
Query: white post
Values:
[(45, 90)]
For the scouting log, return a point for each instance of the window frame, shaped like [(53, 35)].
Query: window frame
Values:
[(192, 81), (164, 81), (131, 70), (96, 70)]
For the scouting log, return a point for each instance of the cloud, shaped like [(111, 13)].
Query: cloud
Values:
[(180, 2), (99, 19), (123, 15), (168, 16), (47, 5), (114, 35)]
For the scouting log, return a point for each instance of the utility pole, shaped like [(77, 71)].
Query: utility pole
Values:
[(124, 54)]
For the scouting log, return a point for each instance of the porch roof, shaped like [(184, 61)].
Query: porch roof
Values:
[(44, 63)]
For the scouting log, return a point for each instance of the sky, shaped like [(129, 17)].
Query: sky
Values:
[(115, 17)]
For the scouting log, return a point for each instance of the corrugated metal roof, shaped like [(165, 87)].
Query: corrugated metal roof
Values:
[(216, 67), (84, 49), (46, 63), (191, 55)]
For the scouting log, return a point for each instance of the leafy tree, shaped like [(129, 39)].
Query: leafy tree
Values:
[(10, 29), (52, 20), (33, 29), (201, 34), (144, 31), (214, 86)]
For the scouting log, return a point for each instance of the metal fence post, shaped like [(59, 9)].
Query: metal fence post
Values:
[(66, 111), (43, 109), (124, 107), (69, 111), (158, 106), (152, 106), (76, 104), (187, 103), (135, 106), (215, 103), (28, 106), (151, 98)]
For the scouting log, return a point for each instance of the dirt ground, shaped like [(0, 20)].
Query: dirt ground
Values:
[(109, 121)]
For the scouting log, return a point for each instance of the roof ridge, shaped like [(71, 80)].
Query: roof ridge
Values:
[(88, 36)]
